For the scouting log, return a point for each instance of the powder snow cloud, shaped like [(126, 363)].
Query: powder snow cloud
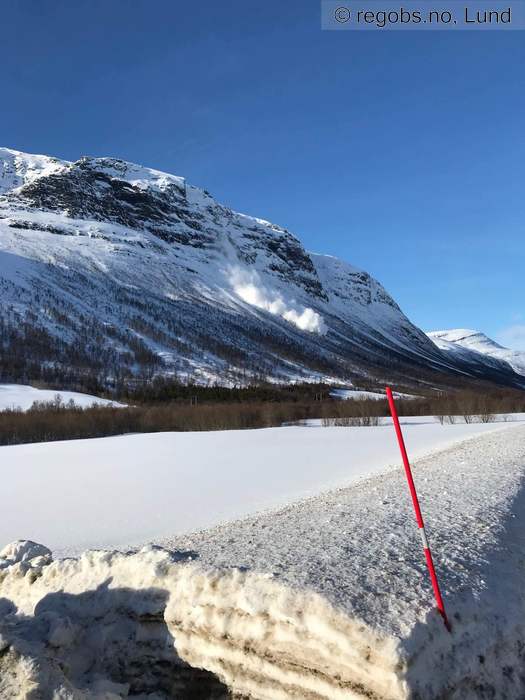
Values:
[(250, 288)]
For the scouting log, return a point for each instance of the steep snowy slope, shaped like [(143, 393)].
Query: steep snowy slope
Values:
[(114, 268), (470, 344)]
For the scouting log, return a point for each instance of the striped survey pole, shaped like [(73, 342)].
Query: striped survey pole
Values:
[(417, 509)]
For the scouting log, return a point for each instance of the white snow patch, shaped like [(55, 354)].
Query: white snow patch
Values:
[(21, 396), (23, 551)]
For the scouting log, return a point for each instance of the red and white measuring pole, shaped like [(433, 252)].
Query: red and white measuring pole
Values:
[(417, 509)]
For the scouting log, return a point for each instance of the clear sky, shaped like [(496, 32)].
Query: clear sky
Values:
[(401, 152)]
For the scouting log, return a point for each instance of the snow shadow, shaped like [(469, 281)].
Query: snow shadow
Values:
[(484, 656), (106, 640)]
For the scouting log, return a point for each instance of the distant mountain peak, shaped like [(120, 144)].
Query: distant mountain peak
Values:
[(478, 342), (464, 335)]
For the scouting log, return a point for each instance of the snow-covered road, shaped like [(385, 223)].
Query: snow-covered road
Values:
[(119, 491)]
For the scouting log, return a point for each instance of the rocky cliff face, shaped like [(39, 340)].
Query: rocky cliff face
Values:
[(118, 269)]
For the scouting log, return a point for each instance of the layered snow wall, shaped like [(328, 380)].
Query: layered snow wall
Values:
[(111, 625), (117, 625)]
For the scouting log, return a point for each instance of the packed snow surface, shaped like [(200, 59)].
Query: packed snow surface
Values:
[(22, 397), (326, 599), (123, 490)]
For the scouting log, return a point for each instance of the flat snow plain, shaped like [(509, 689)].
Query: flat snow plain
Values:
[(23, 396), (122, 491)]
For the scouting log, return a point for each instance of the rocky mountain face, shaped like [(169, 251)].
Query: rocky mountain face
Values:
[(114, 269)]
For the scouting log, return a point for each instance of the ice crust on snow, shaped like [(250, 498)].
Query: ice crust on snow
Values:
[(326, 599)]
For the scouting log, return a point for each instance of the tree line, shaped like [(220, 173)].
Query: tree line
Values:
[(238, 409)]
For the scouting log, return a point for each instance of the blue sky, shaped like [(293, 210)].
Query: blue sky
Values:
[(402, 152)]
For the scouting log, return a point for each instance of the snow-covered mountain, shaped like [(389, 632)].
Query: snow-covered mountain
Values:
[(114, 268), (470, 344)]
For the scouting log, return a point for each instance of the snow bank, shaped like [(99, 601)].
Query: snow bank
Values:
[(359, 550), (93, 628), (113, 625), (325, 600), (126, 624)]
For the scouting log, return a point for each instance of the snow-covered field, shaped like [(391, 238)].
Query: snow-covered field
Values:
[(124, 490), (22, 397), (326, 599)]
